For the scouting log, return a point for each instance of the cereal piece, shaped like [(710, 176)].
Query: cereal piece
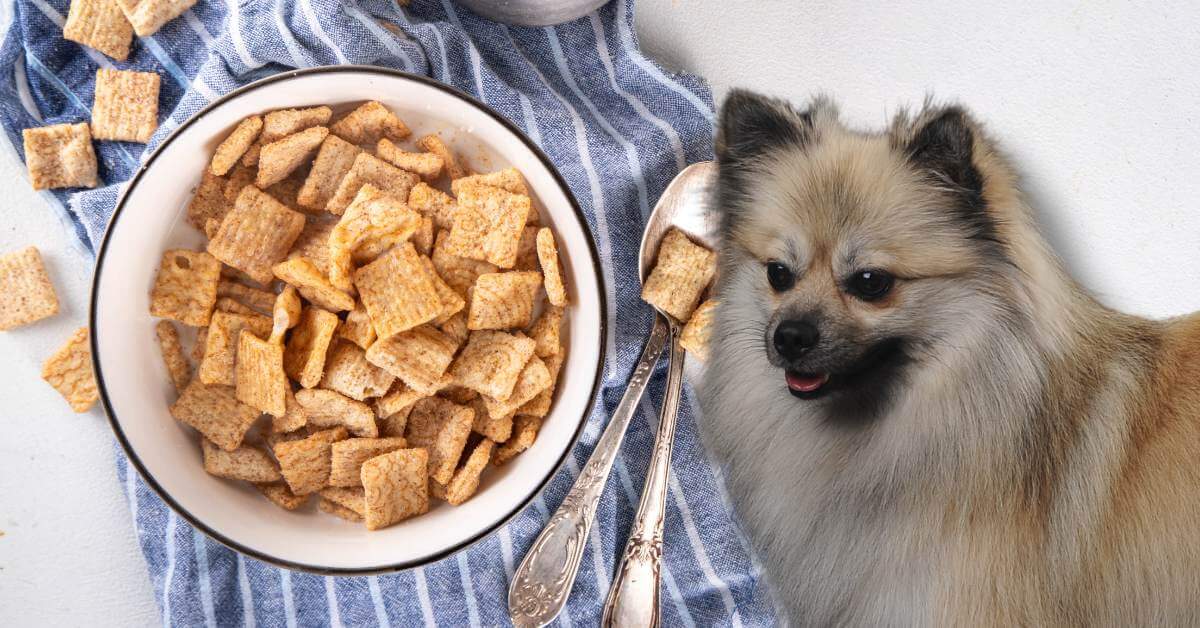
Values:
[(172, 353), (357, 328), (491, 362), (313, 243), (422, 238), (434, 203), (99, 24), (539, 406), (333, 161), (60, 156), (456, 328), (433, 143), (281, 495), (459, 273), (125, 105), (396, 423), (527, 254), (441, 427), (698, 329), (373, 220), (398, 399), (305, 463), (208, 203), (368, 168), (326, 408), (397, 291), (238, 178), (547, 251), (198, 348), (452, 302), (347, 371), (307, 278), (419, 357), (256, 234), (259, 301), (260, 382), (395, 486), (495, 427), (425, 165), (147, 16), (680, 275), (525, 429), (234, 146), (215, 412), (458, 394), (285, 314), (287, 190), (329, 507), (509, 180), (370, 122), (534, 378), (27, 294), (488, 225), (503, 300), (349, 455), (349, 498), (69, 371), (185, 288), (546, 332), (244, 463), (284, 122), (294, 417), (250, 157), (466, 479), (304, 357), (278, 159), (221, 345)]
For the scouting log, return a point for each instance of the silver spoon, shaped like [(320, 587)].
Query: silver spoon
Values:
[(543, 581)]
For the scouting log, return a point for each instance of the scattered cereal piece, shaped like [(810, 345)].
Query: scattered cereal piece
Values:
[(326, 408), (547, 251), (208, 203), (260, 382), (525, 430), (221, 345), (332, 508), (494, 427), (99, 24), (244, 463), (459, 273), (304, 357), (679, 277), (418, 356), (349, 455), (281, 495), (294, 417), (278, 159), (172, 353), (357, 328), (69, 371), (234, 146), (147, 16), (259, 301), (503, 300), (539, 406), (546, 332), (425, 165), (307, 278), (60, 156), (256, 234), (305, 463), (185, 288), (534, 378), (334, 160), (441, 427), (433, 203), (27, 295), (368, 168), (125, 105), (397, 291), (488, 225), (373, 220), (215, 412), (491, 362), (433, 143), (395, 486), (347, 371), (695, 335), (509, 180), (466, 479), (370, 122)]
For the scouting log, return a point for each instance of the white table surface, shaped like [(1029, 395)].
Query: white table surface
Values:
[(1096, 103)]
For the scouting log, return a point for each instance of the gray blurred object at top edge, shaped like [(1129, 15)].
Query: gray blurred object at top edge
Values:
[(532, 12)]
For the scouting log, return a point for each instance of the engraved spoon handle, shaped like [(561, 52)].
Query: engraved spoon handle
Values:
[(633, 599), (543, 581)]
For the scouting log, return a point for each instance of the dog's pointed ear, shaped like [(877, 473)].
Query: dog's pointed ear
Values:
[(751, 124), (943, 144)]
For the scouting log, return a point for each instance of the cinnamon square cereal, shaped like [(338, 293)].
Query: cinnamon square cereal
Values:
[(147, 16), (492, 362), (304, 356), (347, 457), (221, 345), (235, 145), (26, 294), (99, 24), (397, 291), (334, 160), (60, 156), (215, 412), (69, 371), (125, 105), (425, 165), (327, 408), (260, 381), (442, 427), (185, 288), (503, 300), (256, 234), (347, 371), (680, 275), (177, 365), (419, 357), (280, 158), (368, 168), (698, 329), (488, 225), (368, 123), (395, 486), (244, 463)]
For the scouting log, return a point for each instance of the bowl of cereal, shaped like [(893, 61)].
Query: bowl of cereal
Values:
[(347, 320)]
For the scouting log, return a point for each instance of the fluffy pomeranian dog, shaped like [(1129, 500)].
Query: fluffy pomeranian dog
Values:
[(923, 420)]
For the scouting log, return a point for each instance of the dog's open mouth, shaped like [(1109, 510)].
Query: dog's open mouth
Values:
[(806, 385), (875, 367)]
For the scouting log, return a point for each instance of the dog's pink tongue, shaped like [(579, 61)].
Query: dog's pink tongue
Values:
[(805, 383)]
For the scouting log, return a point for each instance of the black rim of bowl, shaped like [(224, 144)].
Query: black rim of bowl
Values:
[(317, 569)]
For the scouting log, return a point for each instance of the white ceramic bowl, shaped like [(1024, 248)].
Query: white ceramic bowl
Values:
[(135, 389)]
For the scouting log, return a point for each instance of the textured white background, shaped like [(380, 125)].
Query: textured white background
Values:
[(1095, 101)]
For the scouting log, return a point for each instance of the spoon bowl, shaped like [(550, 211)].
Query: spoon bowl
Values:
[(684, 206)]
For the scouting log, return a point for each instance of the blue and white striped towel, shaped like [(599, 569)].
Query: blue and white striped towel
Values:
[(618, 128)]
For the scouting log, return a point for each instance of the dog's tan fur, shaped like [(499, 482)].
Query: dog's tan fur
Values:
[(1038, 464)]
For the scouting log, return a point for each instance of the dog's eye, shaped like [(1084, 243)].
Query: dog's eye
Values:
[(780, 276), (869, 285)]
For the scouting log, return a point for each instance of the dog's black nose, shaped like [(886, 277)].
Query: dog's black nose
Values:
[(793, 338)]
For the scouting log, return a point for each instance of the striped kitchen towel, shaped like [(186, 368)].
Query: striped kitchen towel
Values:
[(617, 126)]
